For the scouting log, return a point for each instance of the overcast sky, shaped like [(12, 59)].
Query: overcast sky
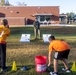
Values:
[(64, 5)]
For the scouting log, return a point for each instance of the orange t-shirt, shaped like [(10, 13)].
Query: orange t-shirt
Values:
[(58, 45)]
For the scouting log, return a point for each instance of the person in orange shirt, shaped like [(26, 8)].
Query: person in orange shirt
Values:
[(4, 33), (62, 50)]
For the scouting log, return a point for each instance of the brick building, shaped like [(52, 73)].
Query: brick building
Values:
[(22, 15)]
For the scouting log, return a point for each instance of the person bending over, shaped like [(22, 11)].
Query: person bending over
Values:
[(62, 50)]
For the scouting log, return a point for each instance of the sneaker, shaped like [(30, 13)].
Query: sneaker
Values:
[(67, 71), (24, 68), (4, 70), (53, 73)]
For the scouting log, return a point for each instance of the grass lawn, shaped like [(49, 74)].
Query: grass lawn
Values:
[(24, 53)]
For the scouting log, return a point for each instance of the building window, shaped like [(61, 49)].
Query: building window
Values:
[(42, 18), (47, 18)]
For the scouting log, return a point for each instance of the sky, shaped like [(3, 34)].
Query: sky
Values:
[(64, 5)]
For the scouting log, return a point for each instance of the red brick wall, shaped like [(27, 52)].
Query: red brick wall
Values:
[(27, 12), (15, 21)]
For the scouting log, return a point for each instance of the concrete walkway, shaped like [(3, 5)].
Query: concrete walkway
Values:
[(53, 25), (43, 25)]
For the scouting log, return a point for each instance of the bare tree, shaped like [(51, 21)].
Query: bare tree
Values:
[(4, 3), (21, 4), (7, 3)]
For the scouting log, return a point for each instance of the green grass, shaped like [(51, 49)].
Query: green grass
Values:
[(24, 53)]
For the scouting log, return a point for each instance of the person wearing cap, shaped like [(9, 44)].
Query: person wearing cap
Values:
[(62, 50), (4, 33), (36, 24)]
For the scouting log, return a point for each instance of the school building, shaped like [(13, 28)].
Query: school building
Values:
[(22, 15)]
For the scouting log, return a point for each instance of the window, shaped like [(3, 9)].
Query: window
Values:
[(42, 18), (47, 18)]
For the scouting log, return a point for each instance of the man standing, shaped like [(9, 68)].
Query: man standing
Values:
[(36, 28), (62, 50)]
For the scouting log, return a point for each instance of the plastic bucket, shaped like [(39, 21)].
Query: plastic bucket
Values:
[(40, 63)]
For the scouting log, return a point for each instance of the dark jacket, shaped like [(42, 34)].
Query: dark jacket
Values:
[(36, 24)]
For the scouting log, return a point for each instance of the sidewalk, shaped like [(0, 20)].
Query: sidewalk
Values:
[(52, 25), (42, 25)]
